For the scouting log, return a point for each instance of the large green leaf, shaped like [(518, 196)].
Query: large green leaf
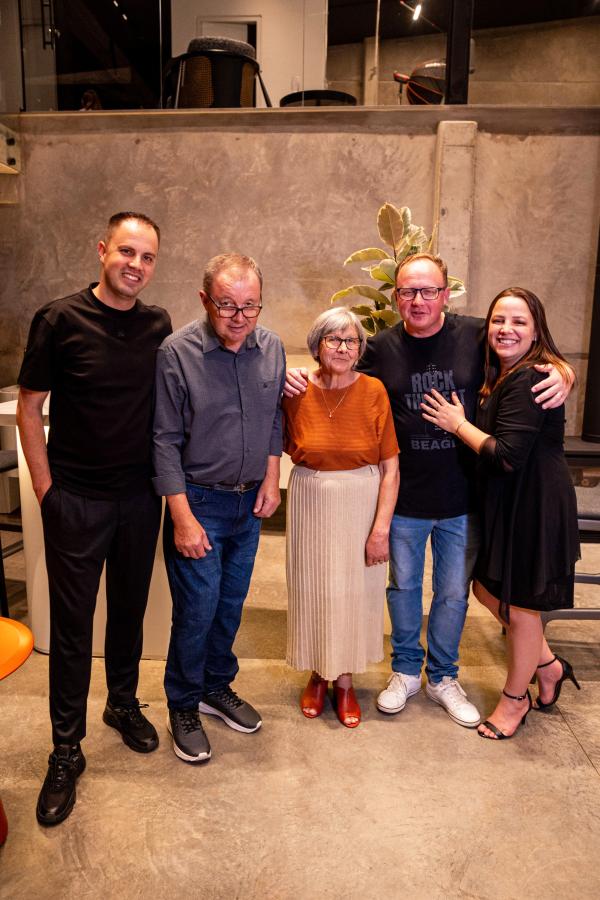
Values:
[(406, 217), (362, 310), (364, 290), (367, 323), (455, 283), (386, 315), (403, 249), (417, 235), (383, 271), (389, 267), (457, 287), (390, 225), (379, 274), (366, 254)]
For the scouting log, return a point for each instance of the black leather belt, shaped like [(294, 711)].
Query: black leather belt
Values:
[(239, 488)]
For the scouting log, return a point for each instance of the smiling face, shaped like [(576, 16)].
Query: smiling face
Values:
[(341, 360), (511, 331), (241, 287), (128, 258), (422, 318)]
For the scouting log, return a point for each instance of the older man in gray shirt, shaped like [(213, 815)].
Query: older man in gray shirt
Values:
[(217, 447)]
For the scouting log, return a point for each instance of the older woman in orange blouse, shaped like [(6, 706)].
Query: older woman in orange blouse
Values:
[(341, 497)]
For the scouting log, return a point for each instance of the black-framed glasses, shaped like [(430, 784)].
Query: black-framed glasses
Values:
[(333, 342), (227, 309), (427, 293)]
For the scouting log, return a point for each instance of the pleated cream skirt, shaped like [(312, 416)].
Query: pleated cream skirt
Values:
[(335, 602)]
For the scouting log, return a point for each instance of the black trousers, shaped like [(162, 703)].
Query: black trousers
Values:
[(80, 535)]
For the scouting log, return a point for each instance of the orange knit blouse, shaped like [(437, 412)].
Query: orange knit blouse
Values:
[(360, 431)]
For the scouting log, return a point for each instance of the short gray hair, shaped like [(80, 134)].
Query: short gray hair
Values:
[(336, 319), (229, 261)]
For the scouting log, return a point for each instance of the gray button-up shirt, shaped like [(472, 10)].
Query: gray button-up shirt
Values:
[(218, 413)]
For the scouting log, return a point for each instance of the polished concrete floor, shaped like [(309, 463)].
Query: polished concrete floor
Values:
[(411, 806)]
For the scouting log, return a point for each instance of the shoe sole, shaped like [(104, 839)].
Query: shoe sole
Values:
[(454, 718), (211, 711), (49, 823), (393, 712), (194, 760), (114, 723)]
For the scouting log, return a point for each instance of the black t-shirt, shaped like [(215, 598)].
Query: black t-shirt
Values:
[(436, 470), (98, 364)]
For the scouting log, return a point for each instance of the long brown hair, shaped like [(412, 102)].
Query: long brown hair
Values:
[(542, 350)]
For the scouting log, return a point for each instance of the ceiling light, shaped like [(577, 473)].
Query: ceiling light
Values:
[(417, 11)]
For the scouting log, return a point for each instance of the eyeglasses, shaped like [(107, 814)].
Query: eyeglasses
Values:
[(427, 293), (227, 309), (333, 342)]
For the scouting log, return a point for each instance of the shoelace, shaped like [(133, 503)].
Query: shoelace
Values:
[(190, 720), (228, 696), (455, 687), (60, 769), (133, 712)]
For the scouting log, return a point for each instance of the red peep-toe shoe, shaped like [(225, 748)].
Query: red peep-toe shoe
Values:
[(313, 696), (346, 705)]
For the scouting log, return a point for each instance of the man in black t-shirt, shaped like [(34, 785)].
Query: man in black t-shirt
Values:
[(95, 351), (430, 349)]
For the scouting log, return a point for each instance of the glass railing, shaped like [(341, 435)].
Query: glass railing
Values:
[(150, 54)]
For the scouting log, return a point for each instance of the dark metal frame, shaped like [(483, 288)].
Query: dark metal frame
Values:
[(458, 48), (579, 454)]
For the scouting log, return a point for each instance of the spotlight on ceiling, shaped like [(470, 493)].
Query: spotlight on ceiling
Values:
[(416, 12)]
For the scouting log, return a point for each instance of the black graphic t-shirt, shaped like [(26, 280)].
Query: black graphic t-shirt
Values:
[(436, 469)]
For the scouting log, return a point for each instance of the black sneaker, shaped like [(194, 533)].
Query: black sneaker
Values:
[(137, 732), (57, 797), (226, 704), (189, 740)]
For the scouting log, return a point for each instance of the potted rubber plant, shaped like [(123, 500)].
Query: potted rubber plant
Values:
[(396, 229)]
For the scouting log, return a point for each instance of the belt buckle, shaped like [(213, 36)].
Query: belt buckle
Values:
[(244, 487)]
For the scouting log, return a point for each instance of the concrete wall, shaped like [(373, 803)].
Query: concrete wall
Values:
[(300, 190), (549, 64)]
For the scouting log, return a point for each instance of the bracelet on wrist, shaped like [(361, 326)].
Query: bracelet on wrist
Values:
[(459, 426)]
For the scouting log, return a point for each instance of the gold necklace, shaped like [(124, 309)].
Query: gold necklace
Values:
[(340, 401)]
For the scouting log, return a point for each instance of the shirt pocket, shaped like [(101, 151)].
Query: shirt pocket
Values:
[(268, 392)]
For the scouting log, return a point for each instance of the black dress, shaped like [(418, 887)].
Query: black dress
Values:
[(530, 537)]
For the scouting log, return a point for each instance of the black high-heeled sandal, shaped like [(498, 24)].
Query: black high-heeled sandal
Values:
[(500, 736), (567, 672)]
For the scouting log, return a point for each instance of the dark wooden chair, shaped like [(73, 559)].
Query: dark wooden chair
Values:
[(214, 73)]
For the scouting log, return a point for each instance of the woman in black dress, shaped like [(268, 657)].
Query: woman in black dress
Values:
[(530, 538)]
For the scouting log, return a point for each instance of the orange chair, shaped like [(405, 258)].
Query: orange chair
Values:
[(16, 643)]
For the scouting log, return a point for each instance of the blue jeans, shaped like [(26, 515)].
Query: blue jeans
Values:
[(454, 546), (208, 594)]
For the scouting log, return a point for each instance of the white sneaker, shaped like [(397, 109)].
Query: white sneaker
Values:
[(449, 694), (399, 688)]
